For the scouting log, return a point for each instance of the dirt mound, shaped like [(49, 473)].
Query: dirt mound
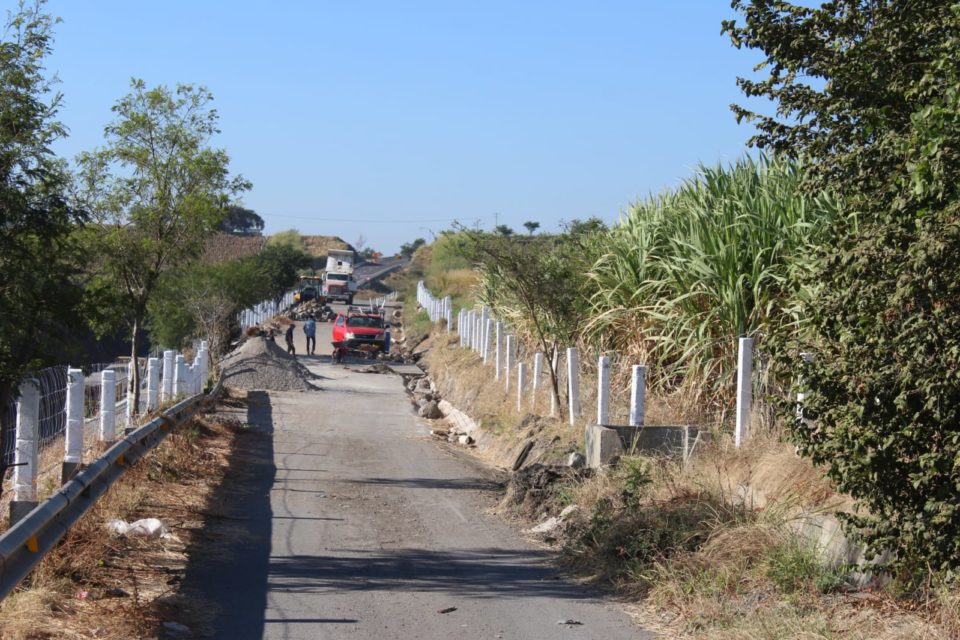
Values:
[(260, 363), (537, 490)]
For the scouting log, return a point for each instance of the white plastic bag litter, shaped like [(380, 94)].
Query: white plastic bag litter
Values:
[(148, 527)]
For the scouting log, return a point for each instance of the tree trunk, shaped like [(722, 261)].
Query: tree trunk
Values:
[(133, 377)]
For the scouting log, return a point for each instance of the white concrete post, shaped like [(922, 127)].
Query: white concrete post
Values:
[(482, 347), (180, 376), (28, 434), (153, 384), (204, 363), (556, 369), (573, 384), (130, 409), (603, 391), (487, 330), (744, 389), (169, 360), (537, 370), (73, 433), (449, 319), (108, 405), (638, 392), (73, 438), (521, 384), (508, 360), (499, 351)]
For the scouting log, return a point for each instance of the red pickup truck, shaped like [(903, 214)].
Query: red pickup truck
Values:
[(360, 331)]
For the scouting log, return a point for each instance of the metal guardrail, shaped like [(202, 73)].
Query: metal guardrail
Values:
[(29, 540)]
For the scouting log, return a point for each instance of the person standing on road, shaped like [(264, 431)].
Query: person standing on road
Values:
[(310, 330), (289, 335)]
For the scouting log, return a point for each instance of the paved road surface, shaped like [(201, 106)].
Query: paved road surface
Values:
[(354, 524)]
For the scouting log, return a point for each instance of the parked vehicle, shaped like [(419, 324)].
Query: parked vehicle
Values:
[(361, 331)]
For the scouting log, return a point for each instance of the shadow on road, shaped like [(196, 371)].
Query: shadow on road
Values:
[(228, 564), (476, 573)]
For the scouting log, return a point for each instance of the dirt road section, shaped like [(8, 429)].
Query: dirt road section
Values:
[(345, 520)]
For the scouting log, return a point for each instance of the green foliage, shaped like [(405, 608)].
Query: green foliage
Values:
[(409, 248), (795, 566), (40, 295), (686, 272), (157, 190), (531, 226), (504, 230), (881, 124), (535, 284), (280, 263), (289, 238), (633, 474), (241, 221)]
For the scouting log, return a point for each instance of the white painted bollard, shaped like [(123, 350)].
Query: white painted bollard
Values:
[(108, 405), (537, 370), (180, 376), (169, 364), (26, 454), (487, 331), (153, 384), (73, 433), (744, 389), (603, 391), (521, 384), (484, 317), (556, 371), (573, 384), (449, 320), (478, 331), (638, 392), (204, 363), (460, 327), (508, 360), (498, 348)]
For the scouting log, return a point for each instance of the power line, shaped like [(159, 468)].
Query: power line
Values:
[(407, 221)]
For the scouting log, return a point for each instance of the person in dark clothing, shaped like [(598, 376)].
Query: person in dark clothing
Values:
[(289, 335), (310, 330)]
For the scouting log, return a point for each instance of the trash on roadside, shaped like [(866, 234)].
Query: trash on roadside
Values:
[(447, 610), (570, 622), (147, 527)]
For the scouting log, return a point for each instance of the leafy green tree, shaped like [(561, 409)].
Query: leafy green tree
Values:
[(536, 284), (531, 226), (280, 264), (504, 230), (240, 221), (39, 295), (409, 248), (869, 91), (157, 190)]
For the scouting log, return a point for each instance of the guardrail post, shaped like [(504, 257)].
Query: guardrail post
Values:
[(499, 350), (573, 384), (73, 437), (556, 371), (168, 367), (537, 374), (25, 456), (521, 384), (204, 363), (638, 392), (449, 320), (744, 389), (603, 391), (508, 360), (153, 384), (180, 376), (108, 405)]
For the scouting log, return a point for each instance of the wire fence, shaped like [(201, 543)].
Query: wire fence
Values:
[(677, 408)]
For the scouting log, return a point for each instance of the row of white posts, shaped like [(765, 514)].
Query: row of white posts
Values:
[(480, 332), (262, 312), (167, 379)]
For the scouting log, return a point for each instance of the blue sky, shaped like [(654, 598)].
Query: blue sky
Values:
[(389, 120)]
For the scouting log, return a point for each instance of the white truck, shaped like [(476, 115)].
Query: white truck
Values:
[(338, 282)]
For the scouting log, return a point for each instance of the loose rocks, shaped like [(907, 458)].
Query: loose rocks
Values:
[(261, 364)]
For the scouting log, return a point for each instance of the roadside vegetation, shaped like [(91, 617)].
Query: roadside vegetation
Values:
[(839, 242)]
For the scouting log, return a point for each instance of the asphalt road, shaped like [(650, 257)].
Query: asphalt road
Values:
[(345, 520), (368, 271)]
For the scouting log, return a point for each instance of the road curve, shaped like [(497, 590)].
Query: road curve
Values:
[(345, 520)]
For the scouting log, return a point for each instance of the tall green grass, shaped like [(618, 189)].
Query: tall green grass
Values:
[(688, 271)]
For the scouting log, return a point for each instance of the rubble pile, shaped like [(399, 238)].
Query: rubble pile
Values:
[(259, 363), (319, 310)]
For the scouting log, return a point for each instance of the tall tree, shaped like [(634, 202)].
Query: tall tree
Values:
[(531, 226), (38, 293), (241, 221), (158, 190), (869, 91)]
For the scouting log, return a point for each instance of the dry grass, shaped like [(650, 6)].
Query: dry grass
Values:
[(709, 549), (97, 584)]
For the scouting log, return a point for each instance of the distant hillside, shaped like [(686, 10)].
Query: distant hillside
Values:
[(318, 246), (223, 247)]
